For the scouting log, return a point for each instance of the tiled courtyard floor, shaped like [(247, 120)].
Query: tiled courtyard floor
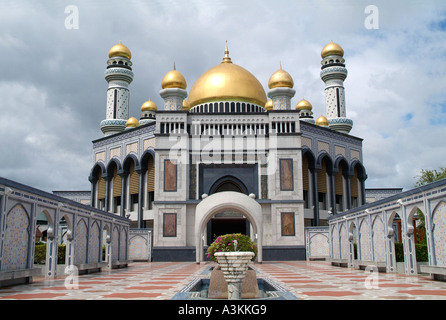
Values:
[(162, 280)]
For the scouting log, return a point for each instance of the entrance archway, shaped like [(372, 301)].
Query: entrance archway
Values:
[(233, 202)]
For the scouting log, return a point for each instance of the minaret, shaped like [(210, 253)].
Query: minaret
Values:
[(118, 75), (281, 89), (173, 90), (333, 73)]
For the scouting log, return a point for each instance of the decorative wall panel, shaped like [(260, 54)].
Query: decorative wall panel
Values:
[(16, 241)]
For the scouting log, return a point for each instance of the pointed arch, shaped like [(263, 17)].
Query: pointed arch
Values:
[(322, 157), (364, 239), (131, 157), (324, 172), (340, 173), (228, 181), (111, 167), (97, 171), (357, 188), (308, 170), (148, 168)]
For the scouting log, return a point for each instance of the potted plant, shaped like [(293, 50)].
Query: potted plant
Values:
[(232, 242)]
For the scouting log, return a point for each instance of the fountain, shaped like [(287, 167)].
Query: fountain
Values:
[(232, 279), (234, 266), (232, 273)]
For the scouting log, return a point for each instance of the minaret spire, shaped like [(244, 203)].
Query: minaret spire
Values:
[(226, 59)]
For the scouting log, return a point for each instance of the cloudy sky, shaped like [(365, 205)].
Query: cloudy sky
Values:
[(53, 55)]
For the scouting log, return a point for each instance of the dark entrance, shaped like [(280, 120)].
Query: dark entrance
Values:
[(225, 223)]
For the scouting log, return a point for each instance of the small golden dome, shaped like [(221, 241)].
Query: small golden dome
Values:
[(174, 79), (304, 105), (149, 105), (132, 123), (186, 105), (269, 105), (322, 121), (120, 50), (280, 78), (227, 81), (332, 49)]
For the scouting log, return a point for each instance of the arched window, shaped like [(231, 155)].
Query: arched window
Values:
[(228, 186), (228, 183)]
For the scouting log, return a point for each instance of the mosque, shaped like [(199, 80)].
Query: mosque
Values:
[(225, 156)]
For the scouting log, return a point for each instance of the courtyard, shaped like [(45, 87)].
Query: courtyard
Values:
[(307, 280)]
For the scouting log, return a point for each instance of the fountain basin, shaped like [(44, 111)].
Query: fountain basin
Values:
[(234, 265), (198, 289)]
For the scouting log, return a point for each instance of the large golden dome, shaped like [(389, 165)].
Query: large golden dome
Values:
[(227, 81), (332, 49), (120, 50)]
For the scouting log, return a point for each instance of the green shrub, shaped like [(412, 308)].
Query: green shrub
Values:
[(61, 253), (420, 251), (40, 253), (225, 243)]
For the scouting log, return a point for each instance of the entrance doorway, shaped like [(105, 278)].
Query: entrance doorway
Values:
[(225, 223)]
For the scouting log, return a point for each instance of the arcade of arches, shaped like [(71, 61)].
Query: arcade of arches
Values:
[(329, 187)]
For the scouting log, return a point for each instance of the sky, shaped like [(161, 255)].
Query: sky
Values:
[(53, 56)]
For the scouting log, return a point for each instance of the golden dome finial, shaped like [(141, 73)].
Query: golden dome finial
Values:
[(304, 105), (280, 78), (332, 49), (132, 122), (174, 79), (322, 121), (120, 50), (149, 105), (226, 59)]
